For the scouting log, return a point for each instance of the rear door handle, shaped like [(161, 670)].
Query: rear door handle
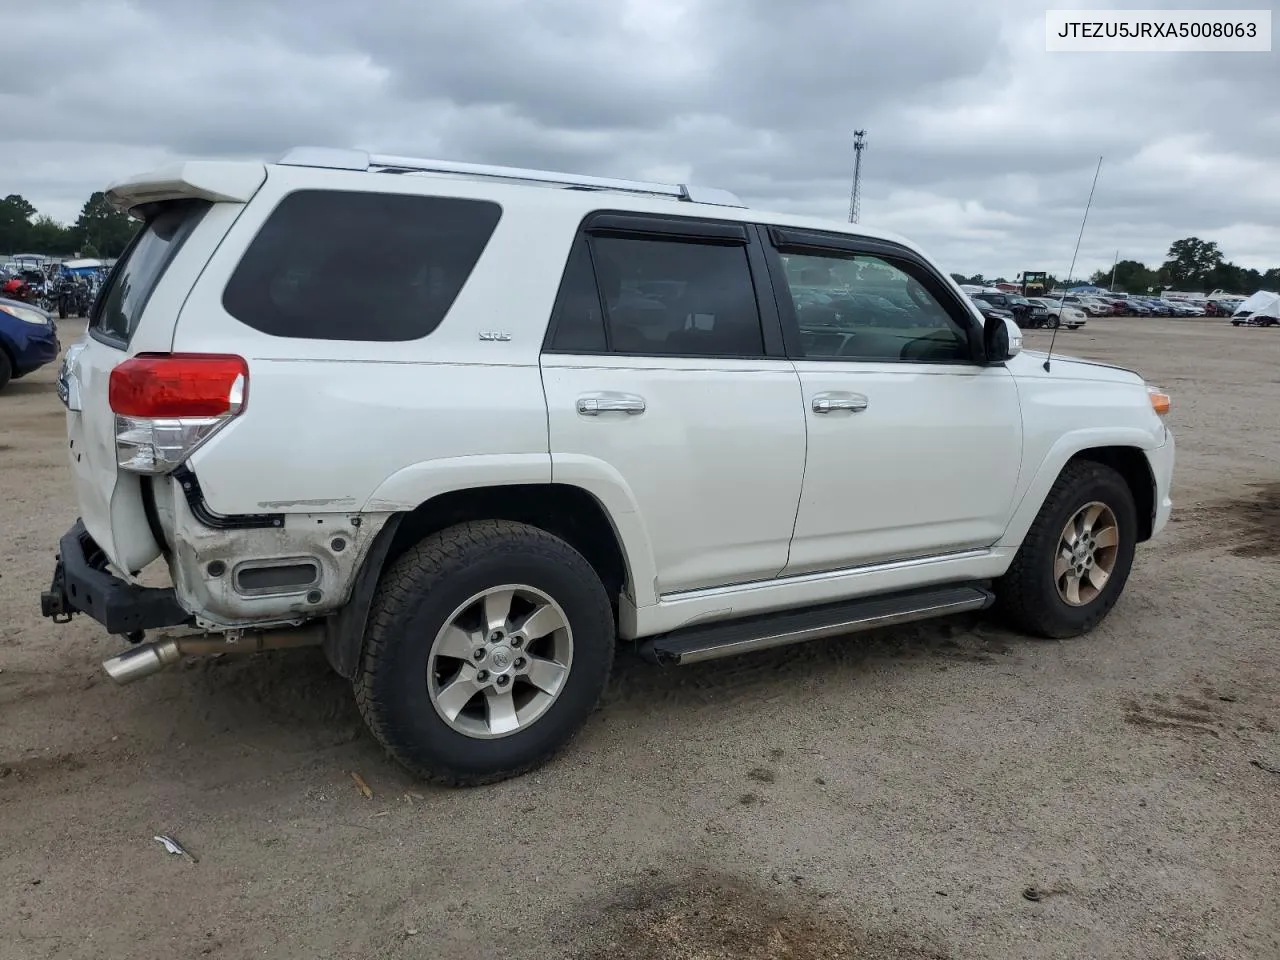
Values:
[(830, 402), (626, 403)]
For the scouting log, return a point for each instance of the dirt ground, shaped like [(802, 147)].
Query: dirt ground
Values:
[(941, 791)]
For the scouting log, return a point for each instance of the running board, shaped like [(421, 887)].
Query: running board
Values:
[(731, 637)]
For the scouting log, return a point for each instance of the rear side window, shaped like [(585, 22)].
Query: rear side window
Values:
[(332, 265), (119, 306)]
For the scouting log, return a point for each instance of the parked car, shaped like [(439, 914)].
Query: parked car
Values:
[(28, 339), (1091, 306), (1260, 310), (989, 310), (496, 458), (1025, 313), (1062, 314), (1182, 308)]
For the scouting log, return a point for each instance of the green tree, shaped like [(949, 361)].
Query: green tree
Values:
[(49, 236), (1190, 262), (1130, 277), (15, 223), (103, 227)]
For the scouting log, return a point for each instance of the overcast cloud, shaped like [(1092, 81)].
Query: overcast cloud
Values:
[(982, 146)]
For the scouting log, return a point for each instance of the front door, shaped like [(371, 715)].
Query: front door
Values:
[(661, 395), (914, 445)]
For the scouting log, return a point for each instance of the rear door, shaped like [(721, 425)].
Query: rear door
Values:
[(110, 501), (667, 390)]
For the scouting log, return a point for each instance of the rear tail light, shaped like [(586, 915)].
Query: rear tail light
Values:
[(167, 405)]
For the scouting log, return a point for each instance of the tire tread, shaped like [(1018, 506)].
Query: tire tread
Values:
[(1016, 591), (416, 572)]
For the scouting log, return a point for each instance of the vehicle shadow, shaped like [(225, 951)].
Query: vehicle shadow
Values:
[(967, 638), (293, 696), (282, 713)]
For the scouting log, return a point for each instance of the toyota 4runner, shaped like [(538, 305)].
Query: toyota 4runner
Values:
[(465, 427)]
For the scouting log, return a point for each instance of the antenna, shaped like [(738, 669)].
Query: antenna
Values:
[(1063, 297), (855, 195)]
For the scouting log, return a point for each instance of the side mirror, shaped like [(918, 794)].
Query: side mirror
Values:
[(1001, 339)]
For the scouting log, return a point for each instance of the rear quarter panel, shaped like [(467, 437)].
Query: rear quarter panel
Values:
[(335, 425)]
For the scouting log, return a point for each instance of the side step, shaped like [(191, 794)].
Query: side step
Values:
[(731, 637)]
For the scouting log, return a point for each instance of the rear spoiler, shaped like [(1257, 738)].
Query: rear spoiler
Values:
[(214, 180)]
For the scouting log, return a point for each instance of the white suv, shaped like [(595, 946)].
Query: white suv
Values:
[(465, 427)]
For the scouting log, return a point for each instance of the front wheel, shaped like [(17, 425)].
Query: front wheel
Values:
[(489, 644), (1075, 559)]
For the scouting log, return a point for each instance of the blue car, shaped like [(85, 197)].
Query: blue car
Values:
[(28, 339)]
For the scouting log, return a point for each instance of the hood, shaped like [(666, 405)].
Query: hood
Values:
[(1063, 367)]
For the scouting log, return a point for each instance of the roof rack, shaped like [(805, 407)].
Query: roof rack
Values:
[(331, 158)]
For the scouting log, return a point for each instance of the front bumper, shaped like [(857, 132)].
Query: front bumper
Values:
[(1161, 460), (83, 584), (33, 348)]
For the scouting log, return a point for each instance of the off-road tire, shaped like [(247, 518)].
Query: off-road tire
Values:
[(415, 597), (1026, 595), (6, 369)]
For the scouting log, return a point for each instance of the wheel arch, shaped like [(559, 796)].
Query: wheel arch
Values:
[(1124, 450), (567, 511), (1132, 464)]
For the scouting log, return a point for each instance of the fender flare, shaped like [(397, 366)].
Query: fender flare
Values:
[(1066, 447), (415, 484)]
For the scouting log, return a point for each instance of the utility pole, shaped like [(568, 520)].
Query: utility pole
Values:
[(855, 196), (1113, 271)]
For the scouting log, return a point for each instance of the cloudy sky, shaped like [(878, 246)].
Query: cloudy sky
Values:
[(982, 146)]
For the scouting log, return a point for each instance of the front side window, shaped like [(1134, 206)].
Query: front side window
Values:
[(335, 265), (677, 297), (864, 307)]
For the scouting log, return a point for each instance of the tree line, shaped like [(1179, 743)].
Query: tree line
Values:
[(1191, 264), (99, 231)]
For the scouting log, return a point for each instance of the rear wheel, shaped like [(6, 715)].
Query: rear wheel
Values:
[(6, 369), (488, 646), (1075, 560)]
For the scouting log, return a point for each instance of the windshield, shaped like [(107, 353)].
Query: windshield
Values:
[(116, 313)]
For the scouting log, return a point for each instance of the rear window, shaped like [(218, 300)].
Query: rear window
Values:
[(119, 306), (333, 265)]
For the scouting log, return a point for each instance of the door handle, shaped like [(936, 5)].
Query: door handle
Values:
[(620, 403), (829, 402)]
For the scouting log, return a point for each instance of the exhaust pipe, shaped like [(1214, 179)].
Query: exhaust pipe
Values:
[(148, 658), (142, 661)]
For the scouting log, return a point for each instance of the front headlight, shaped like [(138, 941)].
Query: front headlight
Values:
[(26, 314)]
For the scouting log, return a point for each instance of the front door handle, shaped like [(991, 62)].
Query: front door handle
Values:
[(830, 402), (611, 403)]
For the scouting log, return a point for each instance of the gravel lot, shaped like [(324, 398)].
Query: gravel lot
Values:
[(944, 791)]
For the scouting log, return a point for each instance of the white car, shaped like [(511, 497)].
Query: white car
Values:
[(466, 428), (1062, 314)]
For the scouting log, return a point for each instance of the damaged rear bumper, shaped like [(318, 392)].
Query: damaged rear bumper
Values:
[(82, 583)]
